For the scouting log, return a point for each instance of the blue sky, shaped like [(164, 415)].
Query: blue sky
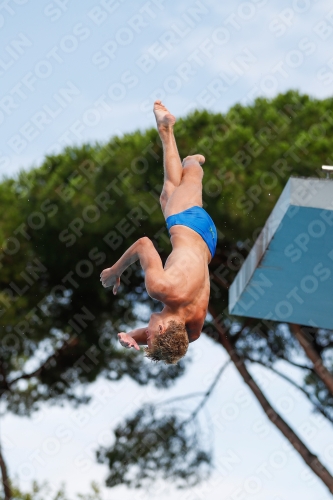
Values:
[(84, 71)]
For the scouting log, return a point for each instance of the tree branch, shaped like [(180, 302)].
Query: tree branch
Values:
[(208, 392), (196, 394), (318, 406), (312, 354), (218, 280), (5, 478), (281, 356), (180, 398), (236, 337), (4, 376), (297, 365), (72, 342)]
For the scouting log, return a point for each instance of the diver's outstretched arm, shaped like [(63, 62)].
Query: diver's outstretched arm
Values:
[(111, 275), (143, 250)]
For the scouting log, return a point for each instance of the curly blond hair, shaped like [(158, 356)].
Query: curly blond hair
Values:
[(169, 346)]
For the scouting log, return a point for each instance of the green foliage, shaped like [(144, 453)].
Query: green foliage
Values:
[(42, 491), (149, 438)]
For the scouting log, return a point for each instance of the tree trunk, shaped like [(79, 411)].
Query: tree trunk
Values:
[(309, 458), (318, 366), (5, 479)]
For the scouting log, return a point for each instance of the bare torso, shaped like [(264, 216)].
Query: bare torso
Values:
[(187, 269)]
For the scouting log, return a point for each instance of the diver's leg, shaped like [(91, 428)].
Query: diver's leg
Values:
[(189, 191), (171, 161)]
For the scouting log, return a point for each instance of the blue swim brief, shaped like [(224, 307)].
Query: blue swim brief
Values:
[(197, 219)]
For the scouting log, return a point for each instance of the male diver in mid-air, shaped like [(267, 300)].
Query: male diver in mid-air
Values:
[(183, 284)]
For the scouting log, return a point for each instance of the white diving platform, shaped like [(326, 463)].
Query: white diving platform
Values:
[(288, 274)]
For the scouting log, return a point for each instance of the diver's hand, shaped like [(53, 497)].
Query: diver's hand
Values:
[(110, 277), (127, 341)]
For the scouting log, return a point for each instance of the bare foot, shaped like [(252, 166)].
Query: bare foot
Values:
[(164, 119), (194, 158)]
